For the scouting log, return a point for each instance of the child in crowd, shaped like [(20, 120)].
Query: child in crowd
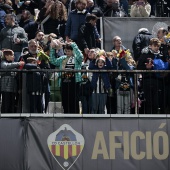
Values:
[(154, 86), (85, 85), (123, 60), (68, 81), (35, 86), (9, 82), (101, 86)]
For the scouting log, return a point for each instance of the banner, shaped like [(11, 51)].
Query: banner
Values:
[(84, 143), (127, 29), (12, 155)]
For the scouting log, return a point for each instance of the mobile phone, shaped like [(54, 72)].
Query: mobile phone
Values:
[(139, 3)]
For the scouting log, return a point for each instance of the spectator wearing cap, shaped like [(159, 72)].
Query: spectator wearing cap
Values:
[(7, 8), (13, 37)]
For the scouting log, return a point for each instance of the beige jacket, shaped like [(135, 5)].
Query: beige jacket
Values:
[(140, 11)]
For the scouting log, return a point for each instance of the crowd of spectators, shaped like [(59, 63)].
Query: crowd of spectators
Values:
[(65, 34)]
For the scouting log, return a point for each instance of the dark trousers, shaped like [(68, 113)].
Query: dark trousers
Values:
[(111, 105), (36, 103), (8, 102), (155, 95), (70, 95), (86, 102)]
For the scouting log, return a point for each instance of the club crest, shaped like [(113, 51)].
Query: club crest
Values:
[(65, 145)]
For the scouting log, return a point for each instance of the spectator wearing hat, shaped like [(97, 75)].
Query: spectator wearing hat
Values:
[(13, 37), (7, 8), (100, 86), (4, 9)]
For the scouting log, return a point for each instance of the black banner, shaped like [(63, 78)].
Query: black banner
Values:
[(84, 143)]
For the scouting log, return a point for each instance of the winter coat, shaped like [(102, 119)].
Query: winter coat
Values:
[(2, 16), (122, 65), (86, 37), (146, 55), (140, 41), (73, 23), (104, 78), (44, 64), (8, 79), (104, 75), (30, 28), (75, 20), (54, 26), (7, 35), (34, 79)]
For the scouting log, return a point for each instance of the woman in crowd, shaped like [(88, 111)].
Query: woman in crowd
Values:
[(54, 19), (140, 8)]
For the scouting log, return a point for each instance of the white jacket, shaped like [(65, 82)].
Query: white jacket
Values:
[(140, 11)]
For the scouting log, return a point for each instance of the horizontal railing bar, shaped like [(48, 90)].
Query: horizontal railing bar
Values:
[(116, 71), (51, 115)]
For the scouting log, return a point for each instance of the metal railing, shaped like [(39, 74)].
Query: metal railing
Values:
[(134, 92)]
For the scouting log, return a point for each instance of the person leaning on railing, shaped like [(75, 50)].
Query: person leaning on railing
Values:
[(68, 81)]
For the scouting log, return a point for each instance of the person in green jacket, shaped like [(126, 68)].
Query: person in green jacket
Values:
[(69, 81)]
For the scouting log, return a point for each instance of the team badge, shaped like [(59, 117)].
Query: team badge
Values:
[(65, 145)]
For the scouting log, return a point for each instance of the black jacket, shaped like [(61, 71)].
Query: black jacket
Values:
[(34, 79), (144, 58), (30, 27), (86, 37), (140, 41), (110, 12)]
